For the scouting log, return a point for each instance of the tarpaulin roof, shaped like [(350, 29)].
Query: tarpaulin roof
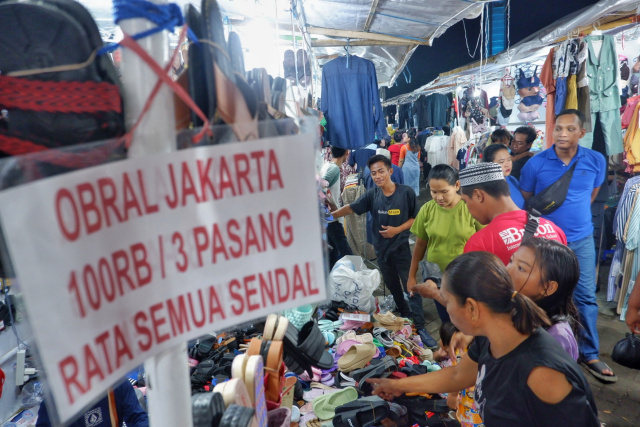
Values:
[(612, 15), (383, 31)]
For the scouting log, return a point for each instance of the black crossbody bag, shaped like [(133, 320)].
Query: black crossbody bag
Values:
[(552, 197)]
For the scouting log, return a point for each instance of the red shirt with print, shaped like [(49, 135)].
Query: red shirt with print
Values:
[(503, 235)]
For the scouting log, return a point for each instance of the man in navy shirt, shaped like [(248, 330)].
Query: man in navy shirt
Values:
[(574, 217)]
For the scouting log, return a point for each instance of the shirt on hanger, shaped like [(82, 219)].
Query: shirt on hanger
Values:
[(350, 102)]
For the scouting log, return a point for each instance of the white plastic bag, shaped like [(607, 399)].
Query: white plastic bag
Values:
[(353, 283)]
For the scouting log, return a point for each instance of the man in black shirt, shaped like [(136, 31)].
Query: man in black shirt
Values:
[(520, 145), (393, 208)]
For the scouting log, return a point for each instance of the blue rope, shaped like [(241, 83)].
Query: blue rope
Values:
[(165, 16)]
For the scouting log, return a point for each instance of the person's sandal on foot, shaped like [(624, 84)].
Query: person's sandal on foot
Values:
[(596, 368)]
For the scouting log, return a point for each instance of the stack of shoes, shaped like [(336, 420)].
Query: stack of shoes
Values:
[(284, 376)]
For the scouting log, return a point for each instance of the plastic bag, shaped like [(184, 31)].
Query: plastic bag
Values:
[(353, 283), (431, 271), (387, 304), (627, 351)]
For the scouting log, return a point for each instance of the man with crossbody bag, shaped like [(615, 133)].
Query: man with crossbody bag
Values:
[(574, 175)]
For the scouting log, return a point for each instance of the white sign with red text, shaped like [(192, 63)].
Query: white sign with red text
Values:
[(121, 261)]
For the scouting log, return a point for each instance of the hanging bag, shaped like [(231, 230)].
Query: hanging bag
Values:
[(552, 197)]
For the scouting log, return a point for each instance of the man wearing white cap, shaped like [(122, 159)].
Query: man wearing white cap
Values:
[(487, 195)]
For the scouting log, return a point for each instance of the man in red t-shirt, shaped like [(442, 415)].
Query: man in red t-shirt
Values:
[(487, 196), (399, 138)]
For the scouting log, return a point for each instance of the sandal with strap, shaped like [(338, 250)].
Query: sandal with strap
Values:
[(596, 368)]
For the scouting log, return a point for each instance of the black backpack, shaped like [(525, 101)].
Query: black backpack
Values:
[(54, 90)]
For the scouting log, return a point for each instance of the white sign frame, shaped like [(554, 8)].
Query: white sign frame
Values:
[(113, 226)]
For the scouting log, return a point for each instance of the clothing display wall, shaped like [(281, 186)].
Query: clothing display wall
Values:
[(626, 263), (350, 102)]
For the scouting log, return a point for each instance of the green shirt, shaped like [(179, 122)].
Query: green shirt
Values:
[(446, 231)]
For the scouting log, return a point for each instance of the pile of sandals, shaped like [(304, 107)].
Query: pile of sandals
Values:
[(318, 373)]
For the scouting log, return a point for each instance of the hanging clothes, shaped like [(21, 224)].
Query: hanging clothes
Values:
[(529, 89), (456, 142), (626, 262), (419, 109), (602, 71), (404, 116), (549, 83), (350, 102), (437, 147), (411, 171), (632, 138), (390, 113), (436, 109), (584, 102)]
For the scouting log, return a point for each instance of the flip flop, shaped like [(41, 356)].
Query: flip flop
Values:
[(596, 369)]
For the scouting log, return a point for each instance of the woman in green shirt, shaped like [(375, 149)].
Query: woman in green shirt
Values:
[(442, 226)]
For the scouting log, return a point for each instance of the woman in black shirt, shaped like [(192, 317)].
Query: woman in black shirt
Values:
[(522, 375)]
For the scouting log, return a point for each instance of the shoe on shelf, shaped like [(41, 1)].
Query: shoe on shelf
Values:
[(427, 340)]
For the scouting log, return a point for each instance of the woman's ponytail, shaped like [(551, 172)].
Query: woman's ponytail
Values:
[(484, 278), (527, 316)]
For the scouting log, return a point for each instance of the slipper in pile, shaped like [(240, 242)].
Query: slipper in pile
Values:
[(234, 392), (238, 416), (325, 406), (314, 393), (389, 321), (207, 409), (357, 357), (275, 328), (382, 334), (365, 412), (352, 336), (280, 417), (250, 370), (306, 348)]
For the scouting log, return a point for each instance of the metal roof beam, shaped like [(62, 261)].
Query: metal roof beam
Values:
[(372, 12), (338, 43), (364, 35)]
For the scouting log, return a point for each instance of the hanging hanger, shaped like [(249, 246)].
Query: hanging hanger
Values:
[(596, 31), (346, 48)]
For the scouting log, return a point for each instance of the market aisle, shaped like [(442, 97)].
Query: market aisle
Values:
[(618, 403)]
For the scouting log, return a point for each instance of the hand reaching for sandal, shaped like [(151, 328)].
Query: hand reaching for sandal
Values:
[(384, 388)]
